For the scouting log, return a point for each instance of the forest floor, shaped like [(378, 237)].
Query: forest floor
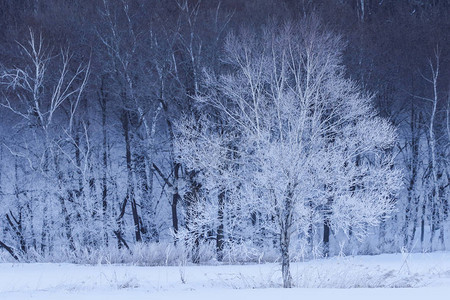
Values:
[(387, 276)]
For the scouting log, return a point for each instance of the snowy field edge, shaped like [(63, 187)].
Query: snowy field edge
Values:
[(411, 275)]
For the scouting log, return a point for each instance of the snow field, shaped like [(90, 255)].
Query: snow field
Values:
[(389, 276)]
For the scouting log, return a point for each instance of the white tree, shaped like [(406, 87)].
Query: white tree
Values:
[(45, 95), (303, 132), (305, 136)]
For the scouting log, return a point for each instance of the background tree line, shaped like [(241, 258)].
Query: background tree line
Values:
[(95, 96)]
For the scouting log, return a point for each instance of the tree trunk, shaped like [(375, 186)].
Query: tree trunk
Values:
[(437, 205), (104, 182), (422, 224), (285, 260), (175, 198), (130, 184), (326, 227), (9, 249), (220, 228), (285, 236), (326, 236)]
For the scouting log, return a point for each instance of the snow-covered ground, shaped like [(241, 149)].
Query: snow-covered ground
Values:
[(388, 276)]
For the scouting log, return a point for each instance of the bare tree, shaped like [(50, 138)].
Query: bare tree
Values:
[(37, 99), (436, 197)]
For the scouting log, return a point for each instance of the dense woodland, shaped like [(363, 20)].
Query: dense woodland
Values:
[(156, 132)]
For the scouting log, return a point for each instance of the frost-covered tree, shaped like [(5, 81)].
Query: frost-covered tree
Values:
[(305, 140), (44, 96)]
